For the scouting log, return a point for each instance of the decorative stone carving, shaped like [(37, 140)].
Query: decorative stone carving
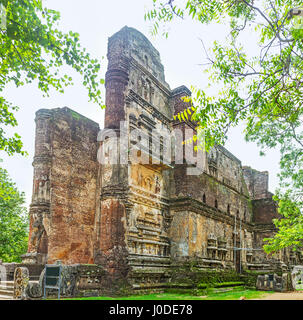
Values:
[(272, 282), (21, 279), (133, 221), (297, 277), (212, 247), (37, 232), (249, 255), (222, 251), (75, 278), (33, 290), (166, 220)]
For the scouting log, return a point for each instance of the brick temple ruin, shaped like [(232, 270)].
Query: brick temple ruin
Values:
[(137, 220)]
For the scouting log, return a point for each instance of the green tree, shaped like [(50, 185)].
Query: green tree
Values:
[(13, 220), (290, 227), (32, 49), (262, 89)]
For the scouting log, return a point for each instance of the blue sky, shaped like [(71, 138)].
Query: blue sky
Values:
[(95, 21)]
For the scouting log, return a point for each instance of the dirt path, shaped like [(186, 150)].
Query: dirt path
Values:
[(283, 296)]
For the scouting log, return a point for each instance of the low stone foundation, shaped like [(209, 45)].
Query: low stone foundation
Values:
[(86, 280), (273, 282), (78, 280)]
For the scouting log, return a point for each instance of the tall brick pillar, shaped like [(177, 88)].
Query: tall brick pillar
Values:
[(178, 103), (180, 176), (110, 247), (116, 80), (179, 106), (40, 205)]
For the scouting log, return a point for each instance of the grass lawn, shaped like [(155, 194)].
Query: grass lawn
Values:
[(232, 295)]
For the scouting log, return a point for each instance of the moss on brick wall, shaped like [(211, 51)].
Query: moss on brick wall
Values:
[(189, 275)]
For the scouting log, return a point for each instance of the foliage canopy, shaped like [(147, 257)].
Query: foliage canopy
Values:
[(13, 220), (33, 49)]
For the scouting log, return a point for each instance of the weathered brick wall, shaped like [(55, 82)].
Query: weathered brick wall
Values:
[(209, 190), (264, 210), (65, 174), (73, 179), (257, 183), (193, 231), (217, 204)]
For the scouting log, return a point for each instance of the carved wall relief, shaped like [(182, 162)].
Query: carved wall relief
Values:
[(133, 221), (38, 231), (147, 179), (146, 232), (21, 279), (41, 190), (212, 247), (222, 251)]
